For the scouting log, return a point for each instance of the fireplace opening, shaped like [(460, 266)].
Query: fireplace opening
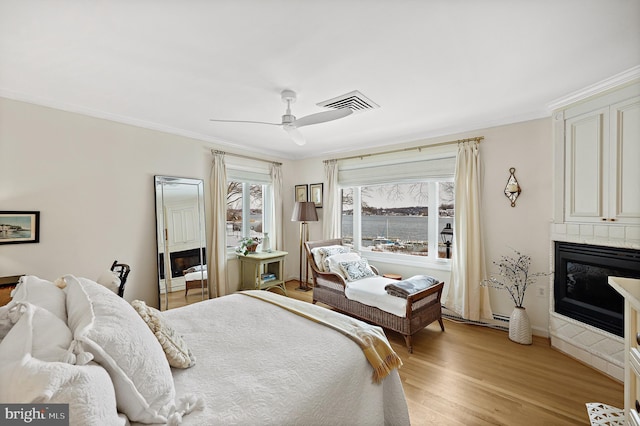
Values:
[(181, 260), (581, 288)]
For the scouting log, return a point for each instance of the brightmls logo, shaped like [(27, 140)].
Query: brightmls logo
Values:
[(34, 414)]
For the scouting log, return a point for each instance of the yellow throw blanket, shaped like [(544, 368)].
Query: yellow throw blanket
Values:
[(370, 338)]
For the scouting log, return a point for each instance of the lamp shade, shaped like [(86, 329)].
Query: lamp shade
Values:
[(304, 211)]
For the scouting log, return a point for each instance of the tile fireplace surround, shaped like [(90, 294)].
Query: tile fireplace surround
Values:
[(601, 350)]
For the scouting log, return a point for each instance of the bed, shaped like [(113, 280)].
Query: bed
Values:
[(367, 299), (253, 362)]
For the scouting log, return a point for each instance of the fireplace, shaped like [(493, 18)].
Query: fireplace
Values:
[(581, 289), (181, 260)]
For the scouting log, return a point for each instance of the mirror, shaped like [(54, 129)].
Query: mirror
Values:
[(181, 238)]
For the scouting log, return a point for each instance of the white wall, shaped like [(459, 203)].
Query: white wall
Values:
[(525, 146), (92, 181)]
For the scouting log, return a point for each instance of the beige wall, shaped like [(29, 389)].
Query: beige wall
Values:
[(525, 146), (92, 181)]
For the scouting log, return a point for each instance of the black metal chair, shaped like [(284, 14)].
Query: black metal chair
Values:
[(121, 270)]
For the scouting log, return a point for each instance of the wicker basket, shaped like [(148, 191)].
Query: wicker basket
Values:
[(520, 326)]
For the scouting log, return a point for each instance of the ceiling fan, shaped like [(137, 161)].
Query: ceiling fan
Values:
[(291, 124)]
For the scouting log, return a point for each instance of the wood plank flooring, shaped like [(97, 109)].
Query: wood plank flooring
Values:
[(473, 375)]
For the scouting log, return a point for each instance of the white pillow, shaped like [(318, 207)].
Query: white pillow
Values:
[(42, 293), (333, 262), (175, 348), (109, 328), (109, 280), (87, 389), (356, 269), (320, 254), (36, 332)]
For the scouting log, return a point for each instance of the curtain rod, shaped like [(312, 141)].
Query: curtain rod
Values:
[(419, 148), (215, 151)]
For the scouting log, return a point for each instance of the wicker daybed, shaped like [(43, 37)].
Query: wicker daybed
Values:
[(422, 308)]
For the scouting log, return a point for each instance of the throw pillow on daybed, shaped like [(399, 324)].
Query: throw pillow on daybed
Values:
[(175, 348), (356, 269), (333, 262), (109, 328), (320, 255), (42, 293)]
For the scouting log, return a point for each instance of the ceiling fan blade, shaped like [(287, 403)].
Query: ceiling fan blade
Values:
[(245, 121), (295, 134), (321, 117)]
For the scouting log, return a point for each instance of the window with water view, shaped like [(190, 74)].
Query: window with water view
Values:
[(244, 211), (403, 218)]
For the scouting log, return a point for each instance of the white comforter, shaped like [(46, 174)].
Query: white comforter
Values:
[(258, 364)]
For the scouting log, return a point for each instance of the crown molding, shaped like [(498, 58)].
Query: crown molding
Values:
[(595, 89)]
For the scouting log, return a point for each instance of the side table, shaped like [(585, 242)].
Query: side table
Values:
[(255, 265)]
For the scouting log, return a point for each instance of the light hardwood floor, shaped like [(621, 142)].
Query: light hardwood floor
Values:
[(472, 375)]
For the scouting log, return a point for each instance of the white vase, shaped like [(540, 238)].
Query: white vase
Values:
[(265, 243), (520, 326)]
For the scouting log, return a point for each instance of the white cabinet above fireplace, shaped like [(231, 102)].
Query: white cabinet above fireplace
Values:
[(602, 158)]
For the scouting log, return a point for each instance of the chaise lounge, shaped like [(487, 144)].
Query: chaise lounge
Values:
[(419, 309)]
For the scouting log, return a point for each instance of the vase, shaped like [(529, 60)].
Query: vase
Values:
[(265, 243), (520, 326)]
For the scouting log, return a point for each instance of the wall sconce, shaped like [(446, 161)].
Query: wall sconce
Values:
[(447, 238), (512, 190)]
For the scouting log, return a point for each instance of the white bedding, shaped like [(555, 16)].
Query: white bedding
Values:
[(195, 276), (258, 364), (370, 291)]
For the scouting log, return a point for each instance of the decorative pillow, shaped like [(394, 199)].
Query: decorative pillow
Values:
[(5, 323), (109, 280), (42, 293), (109, 328), (322, 253), (333, 262), (36, 332), (356, 270), (87, 389), (175, 348)]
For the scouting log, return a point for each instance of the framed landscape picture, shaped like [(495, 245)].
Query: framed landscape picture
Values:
[(316, 194), (19, 227), (301, 193)]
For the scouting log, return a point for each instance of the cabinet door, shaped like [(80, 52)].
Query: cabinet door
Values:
[(586, 136), (624, 164)]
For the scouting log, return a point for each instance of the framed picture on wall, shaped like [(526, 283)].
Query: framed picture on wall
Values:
[(19, 227), (316, 194), (301, 193)]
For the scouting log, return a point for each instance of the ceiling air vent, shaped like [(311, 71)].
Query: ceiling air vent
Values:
[(354, 100)]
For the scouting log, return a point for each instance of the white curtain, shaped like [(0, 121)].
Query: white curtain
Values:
[(465, 295), (218, 256), (277, 218), (332, 204)]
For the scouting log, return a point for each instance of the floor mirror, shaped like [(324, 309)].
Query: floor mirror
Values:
[(181, 238)]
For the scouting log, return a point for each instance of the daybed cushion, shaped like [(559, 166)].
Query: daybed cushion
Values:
[(195, 276), (370, 291), (42, 293), (110, 329), (175, 348)]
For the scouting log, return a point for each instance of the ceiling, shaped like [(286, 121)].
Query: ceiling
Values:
[(435, 67)]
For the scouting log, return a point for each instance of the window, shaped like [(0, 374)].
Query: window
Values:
[(398, 218), (246, 215)]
